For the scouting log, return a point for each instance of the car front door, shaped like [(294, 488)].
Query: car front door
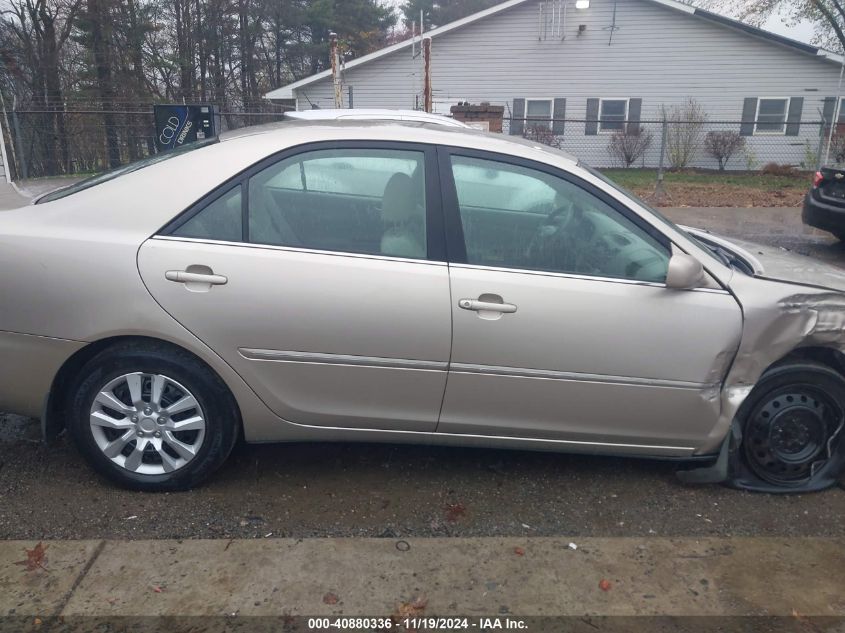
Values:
[(563, 328), (319, 276)]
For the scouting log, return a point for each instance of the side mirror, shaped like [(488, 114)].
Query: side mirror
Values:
[(685, 272)]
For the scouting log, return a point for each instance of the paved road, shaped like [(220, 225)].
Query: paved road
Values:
[(776, 227), (393, 491)]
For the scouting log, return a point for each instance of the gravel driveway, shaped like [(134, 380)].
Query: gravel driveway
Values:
[(393, 491)]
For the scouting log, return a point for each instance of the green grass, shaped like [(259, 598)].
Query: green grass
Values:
[(639, 178)]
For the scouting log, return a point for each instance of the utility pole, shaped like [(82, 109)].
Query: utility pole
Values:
[(427, 100), (338, 88)]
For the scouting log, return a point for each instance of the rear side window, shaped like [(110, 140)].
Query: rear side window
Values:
[(356, 201), (369, 201), (220, 220)]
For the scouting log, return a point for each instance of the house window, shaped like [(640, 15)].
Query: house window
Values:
[(613, 114), (771, 115), (841, 116), (538, 113)]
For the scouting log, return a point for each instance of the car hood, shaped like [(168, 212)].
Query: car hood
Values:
[(777, 263)]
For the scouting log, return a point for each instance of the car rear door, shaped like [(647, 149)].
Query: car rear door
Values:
[(319, 275), (563, 328)]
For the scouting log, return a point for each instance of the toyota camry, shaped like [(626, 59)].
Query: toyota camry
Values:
[(408, 282)]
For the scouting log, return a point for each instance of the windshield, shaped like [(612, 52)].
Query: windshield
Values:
[(105, 176)]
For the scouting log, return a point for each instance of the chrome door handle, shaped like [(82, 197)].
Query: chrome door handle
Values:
[(185, 277), (489, 306)]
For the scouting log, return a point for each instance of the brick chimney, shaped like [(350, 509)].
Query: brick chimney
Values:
[(482, 114)]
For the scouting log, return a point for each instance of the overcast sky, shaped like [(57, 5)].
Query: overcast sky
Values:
[(803, 32)]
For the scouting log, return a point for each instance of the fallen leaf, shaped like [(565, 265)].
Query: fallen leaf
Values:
[(414, 608), (604, 584), (455, 511), (35, 558), (519, 551), (330, 598)]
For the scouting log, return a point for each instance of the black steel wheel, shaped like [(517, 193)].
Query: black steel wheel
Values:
[(794, 423)]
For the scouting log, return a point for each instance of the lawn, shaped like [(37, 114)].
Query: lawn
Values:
[(715, 189)]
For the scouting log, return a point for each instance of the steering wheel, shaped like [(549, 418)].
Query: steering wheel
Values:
[(550, 246)]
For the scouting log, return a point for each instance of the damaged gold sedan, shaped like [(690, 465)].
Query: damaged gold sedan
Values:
[(412, 283)]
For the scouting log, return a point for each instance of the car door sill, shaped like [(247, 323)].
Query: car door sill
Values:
[(338, 433)]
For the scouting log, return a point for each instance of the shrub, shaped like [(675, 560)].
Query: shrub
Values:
[(627, 146), (723, 145), (775, 169), (684, 132), (541, 134), (837, 147)]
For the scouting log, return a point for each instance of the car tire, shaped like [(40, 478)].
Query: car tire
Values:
[(152, 417), (792, 429)]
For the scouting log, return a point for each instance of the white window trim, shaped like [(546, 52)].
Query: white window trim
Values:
[(627, 101), (536, 122), (785, 116)]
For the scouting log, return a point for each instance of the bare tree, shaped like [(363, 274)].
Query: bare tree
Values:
[(541, 134), (628, 145), (41, 30), (723, 145), (684, 132), (828, 16), (116, 57)]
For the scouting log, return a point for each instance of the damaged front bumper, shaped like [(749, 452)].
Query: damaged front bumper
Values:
[(793, 307)]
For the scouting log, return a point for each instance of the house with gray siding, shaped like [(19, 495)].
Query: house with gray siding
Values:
[(586, 73)]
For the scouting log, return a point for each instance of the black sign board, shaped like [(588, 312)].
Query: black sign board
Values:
[(178, 124)]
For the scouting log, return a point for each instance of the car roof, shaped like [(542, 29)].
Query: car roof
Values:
[(363, 114), (291, 132)]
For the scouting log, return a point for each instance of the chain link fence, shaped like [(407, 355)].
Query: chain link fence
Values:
[(46, 143), (680, 145)]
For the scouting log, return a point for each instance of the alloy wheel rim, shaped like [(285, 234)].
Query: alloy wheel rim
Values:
[(790, 434), (147, 423)]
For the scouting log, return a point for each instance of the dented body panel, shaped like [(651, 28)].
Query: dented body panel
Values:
[(791, 303)]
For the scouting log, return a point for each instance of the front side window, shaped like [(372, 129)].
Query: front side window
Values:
[(771, 116), (516, 217), (613, 114), (538, 113)]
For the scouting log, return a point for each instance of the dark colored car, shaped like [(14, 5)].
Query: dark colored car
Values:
[(824, 204)]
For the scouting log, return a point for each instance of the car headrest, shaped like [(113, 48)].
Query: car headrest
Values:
[(398, 203)]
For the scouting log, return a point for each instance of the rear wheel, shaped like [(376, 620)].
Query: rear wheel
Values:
[(793, 426), (152, 418)]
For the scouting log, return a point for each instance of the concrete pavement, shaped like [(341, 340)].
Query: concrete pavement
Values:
[(10, 198), (775, 577)]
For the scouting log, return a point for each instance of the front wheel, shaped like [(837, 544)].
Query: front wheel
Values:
[(792, 427), (152, 418)]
